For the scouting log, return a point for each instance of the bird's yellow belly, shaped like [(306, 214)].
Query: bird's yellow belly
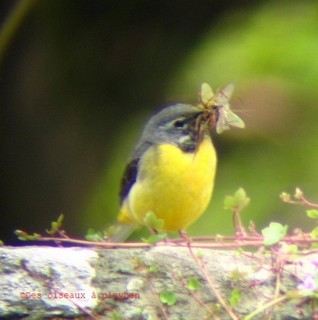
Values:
[(175, 185)]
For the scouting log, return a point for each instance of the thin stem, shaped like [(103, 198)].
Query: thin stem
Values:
[(211, 284), (159, 303), (238, 225), (265, 306), (303, 201), (207, 244), (309, 204)]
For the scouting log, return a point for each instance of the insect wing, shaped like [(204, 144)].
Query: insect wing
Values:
[(228, 118), (206, 94), (223, 95), (222, 123), (234, 120)]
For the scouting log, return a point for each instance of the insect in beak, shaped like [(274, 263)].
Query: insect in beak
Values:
[(216, 109)]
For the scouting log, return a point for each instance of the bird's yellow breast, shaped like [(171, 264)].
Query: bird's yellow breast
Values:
[(174, 184)]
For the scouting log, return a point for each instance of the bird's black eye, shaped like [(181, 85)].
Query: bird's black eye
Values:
[(179, 124)]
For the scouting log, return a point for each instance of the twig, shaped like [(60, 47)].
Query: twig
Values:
[(155, 294), (196, 297), (211, 285), (203, 243), (265, 306)]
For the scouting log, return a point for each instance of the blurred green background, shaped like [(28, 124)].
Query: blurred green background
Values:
[(80, 78)]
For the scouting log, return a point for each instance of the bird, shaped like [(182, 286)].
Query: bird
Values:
[(171, 172)]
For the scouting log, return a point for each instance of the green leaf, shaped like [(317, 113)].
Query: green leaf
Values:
[(193, 284), (60, 219), (285, 196), (293, 249), (237, 202), (116, 316), (153, 222), (298, 194), (274, 233), (154, 238), (313, 214), (314, 233), (24, 236), (168, 297), (153, 269), (94, 235), (235, 297), (55, 225)]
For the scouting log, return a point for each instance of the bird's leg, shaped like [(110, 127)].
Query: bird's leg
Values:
[(183, 234)]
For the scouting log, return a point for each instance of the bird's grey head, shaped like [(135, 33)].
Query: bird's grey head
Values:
[(174, 124)]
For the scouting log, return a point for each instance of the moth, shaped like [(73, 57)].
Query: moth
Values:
[(217, 109)]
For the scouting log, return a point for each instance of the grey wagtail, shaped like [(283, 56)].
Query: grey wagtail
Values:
[(171, 171)]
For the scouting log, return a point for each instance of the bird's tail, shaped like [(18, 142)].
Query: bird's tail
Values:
[(122, 233)]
